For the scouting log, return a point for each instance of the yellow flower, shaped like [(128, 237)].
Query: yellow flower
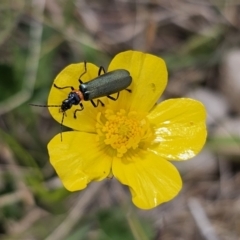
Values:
[(132, 138)]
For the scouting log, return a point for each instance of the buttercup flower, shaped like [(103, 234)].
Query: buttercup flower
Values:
[(131, 138)]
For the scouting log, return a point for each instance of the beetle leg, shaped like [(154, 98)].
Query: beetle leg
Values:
[(101, 68), (77, 110), (85, 71), (98, 101), (72, 88), (114, 99), (129, 90)]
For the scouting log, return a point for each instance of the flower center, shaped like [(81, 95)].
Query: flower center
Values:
[(122, 131)]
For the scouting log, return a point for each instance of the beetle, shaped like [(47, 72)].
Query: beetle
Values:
[(103, 85)]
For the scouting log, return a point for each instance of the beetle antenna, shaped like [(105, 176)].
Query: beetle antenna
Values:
[(62, 124), (39, 105)]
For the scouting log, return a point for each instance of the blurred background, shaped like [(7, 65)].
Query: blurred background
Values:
[(200, 42)]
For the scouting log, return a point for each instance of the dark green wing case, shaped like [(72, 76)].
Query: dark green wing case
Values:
[(106, 84)]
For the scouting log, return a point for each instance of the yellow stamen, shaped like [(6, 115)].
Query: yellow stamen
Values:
[(122, 131)]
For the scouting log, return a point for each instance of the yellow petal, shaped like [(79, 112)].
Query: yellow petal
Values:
[(78, 159), (152, 179), (180, 128), (149, 75), (69, 76)]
